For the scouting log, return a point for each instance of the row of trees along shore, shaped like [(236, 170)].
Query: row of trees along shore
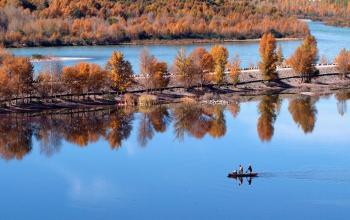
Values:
[(199, 68)]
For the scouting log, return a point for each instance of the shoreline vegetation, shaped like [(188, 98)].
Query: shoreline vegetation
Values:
[(199, 76), (33, 23)]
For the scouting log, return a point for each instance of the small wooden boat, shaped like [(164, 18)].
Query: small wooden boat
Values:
[(237, 175)]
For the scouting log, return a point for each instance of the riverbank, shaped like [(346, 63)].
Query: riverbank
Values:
[(201, 41), (183, 41), (250, 84)]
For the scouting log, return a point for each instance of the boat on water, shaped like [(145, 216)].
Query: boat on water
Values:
[(237, 175)]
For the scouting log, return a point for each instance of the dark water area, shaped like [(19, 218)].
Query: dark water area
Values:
[(172, 161)]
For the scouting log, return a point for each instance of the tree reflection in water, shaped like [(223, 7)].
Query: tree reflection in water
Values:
[(268, 109), (15, 137), (198, 120), (82, 127), (154, 119), (342, 97), (304, 112)]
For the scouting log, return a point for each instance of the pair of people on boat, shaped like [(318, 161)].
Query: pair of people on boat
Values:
[(249, 170)]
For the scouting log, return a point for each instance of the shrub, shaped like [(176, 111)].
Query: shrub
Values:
[(147, 100), (130, 99)]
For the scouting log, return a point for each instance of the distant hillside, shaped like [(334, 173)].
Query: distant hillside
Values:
[(334, 12), (89, 22)]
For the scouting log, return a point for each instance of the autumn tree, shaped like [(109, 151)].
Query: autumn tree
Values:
[(159, 77), (204, 63), (343, 63), (49, 78), (120, 72), (17, 72), (153, 73), (184, 69), (84, 78), (90, 22), (146, 64), (304, 59), (235, 69), (268, 56), (220, 56)]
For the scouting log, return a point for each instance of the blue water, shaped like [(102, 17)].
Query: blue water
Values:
[(77, 173), (330, 41), (303, 175)]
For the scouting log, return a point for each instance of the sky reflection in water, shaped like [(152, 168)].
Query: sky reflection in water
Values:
[(172, 162)]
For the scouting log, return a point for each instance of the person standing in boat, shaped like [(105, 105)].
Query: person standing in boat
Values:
[(240, 170), (250, 169)]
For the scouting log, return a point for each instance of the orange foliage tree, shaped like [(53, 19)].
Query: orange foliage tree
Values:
[(220, 55), (185, 69), (120, 72), (84, 78), (343, 62), (153, 72), (304, 59), (16, 76), (235, 69), (268, 55), (204, 63)]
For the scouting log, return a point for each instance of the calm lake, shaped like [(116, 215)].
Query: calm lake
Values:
[(171, 162), (330, 41)]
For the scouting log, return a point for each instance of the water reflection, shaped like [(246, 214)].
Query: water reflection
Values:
[(154, 119), (303, 111), (342, 97), (199, 120), (268, 109), (81, 128)]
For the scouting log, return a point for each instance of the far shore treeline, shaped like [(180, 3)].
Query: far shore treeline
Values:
[(198, 69), (102, 22)]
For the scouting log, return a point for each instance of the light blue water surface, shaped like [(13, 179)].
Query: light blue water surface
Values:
[(330, 41), (304, 175)]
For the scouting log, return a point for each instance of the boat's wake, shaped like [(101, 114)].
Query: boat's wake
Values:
[(319, 175)]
